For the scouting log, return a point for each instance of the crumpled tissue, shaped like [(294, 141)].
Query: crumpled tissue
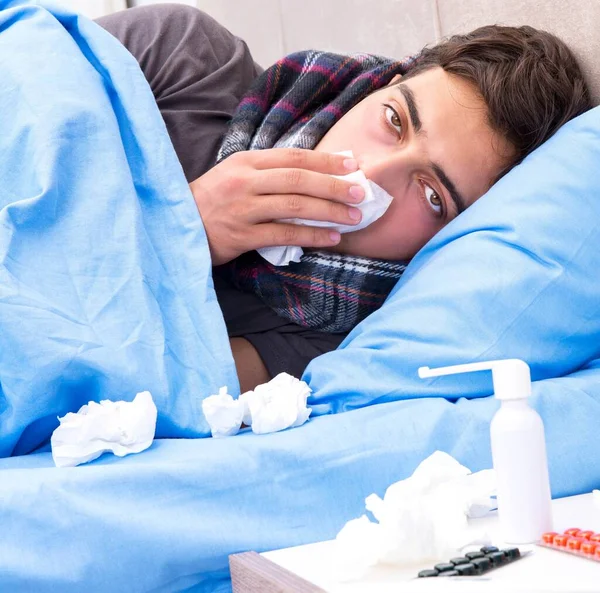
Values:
[(272, 406), (276, 405), (420, 519), (121, 427), (223, 413), (373, 207)]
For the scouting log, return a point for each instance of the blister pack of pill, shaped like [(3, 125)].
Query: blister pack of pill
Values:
[(473, 563), (581, 542)]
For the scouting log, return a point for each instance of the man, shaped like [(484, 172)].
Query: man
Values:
[(435, 134)]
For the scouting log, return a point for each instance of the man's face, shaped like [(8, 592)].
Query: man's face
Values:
[(427, 142)]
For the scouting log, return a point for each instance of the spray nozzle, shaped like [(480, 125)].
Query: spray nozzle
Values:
[(511, 377)]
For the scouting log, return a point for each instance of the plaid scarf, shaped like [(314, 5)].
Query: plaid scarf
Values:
[(293, 104)]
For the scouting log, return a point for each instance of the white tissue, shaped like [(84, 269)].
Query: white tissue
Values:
[(422, 518), (223, 414), (121, 427), (276, 405), (272, 406), (373, 207)]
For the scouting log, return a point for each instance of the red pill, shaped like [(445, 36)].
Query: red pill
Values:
[(595, 538), (585, 534), (589, 548), (597, 553), (573, 543), (561, 540), (574, 531), (549, 536)]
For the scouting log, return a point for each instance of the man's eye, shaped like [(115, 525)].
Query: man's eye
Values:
[(393, 118), (434, 200)]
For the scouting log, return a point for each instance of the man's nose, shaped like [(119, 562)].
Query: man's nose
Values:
[(386, 168)]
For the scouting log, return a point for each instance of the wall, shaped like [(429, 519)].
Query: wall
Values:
[(273, 28), (397, 28)]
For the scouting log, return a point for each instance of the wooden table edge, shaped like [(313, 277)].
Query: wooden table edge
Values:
[(253, 573)]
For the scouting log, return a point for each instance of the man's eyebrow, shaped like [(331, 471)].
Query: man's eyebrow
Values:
[(409, 97), (415, 119), (458, 200)]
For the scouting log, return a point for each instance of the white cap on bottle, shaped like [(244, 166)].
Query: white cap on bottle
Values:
[(511, 377)]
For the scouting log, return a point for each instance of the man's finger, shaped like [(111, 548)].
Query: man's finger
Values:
[(298, 158), (274, 233), (308, 183), (264, 209)]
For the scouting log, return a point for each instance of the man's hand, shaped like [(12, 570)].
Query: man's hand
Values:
[(242, 197)]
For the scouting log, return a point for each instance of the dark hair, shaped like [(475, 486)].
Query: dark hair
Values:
[(529, 79)]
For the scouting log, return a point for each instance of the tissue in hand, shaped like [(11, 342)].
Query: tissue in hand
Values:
[(422, 518), (272, 406), (121, 427), (373, 207)]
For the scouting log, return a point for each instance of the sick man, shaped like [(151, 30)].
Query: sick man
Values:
[(435, 132)]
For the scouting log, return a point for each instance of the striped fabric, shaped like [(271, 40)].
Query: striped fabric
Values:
[(293, 104)]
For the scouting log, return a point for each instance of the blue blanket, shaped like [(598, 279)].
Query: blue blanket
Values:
[(166, 520), (105, 275)]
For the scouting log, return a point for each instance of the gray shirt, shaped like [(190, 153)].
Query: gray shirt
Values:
[(198, 72)]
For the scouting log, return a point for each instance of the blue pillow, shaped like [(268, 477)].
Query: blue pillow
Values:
[(515, 276)]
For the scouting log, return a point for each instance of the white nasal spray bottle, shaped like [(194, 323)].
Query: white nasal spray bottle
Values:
[(518, 450)]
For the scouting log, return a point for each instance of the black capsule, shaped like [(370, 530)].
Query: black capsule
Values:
[(489, 549), (459, 560), (512, 553), (481, 565), (472, 555), (430, 572), (444, 566), (497, 558), (449, 573), (465, 569)]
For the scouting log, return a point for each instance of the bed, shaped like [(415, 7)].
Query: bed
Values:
[(106, 291)]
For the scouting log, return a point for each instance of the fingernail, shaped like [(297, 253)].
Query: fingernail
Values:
[(351, 164), (354, 213), (335, 236), (357, 192)]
